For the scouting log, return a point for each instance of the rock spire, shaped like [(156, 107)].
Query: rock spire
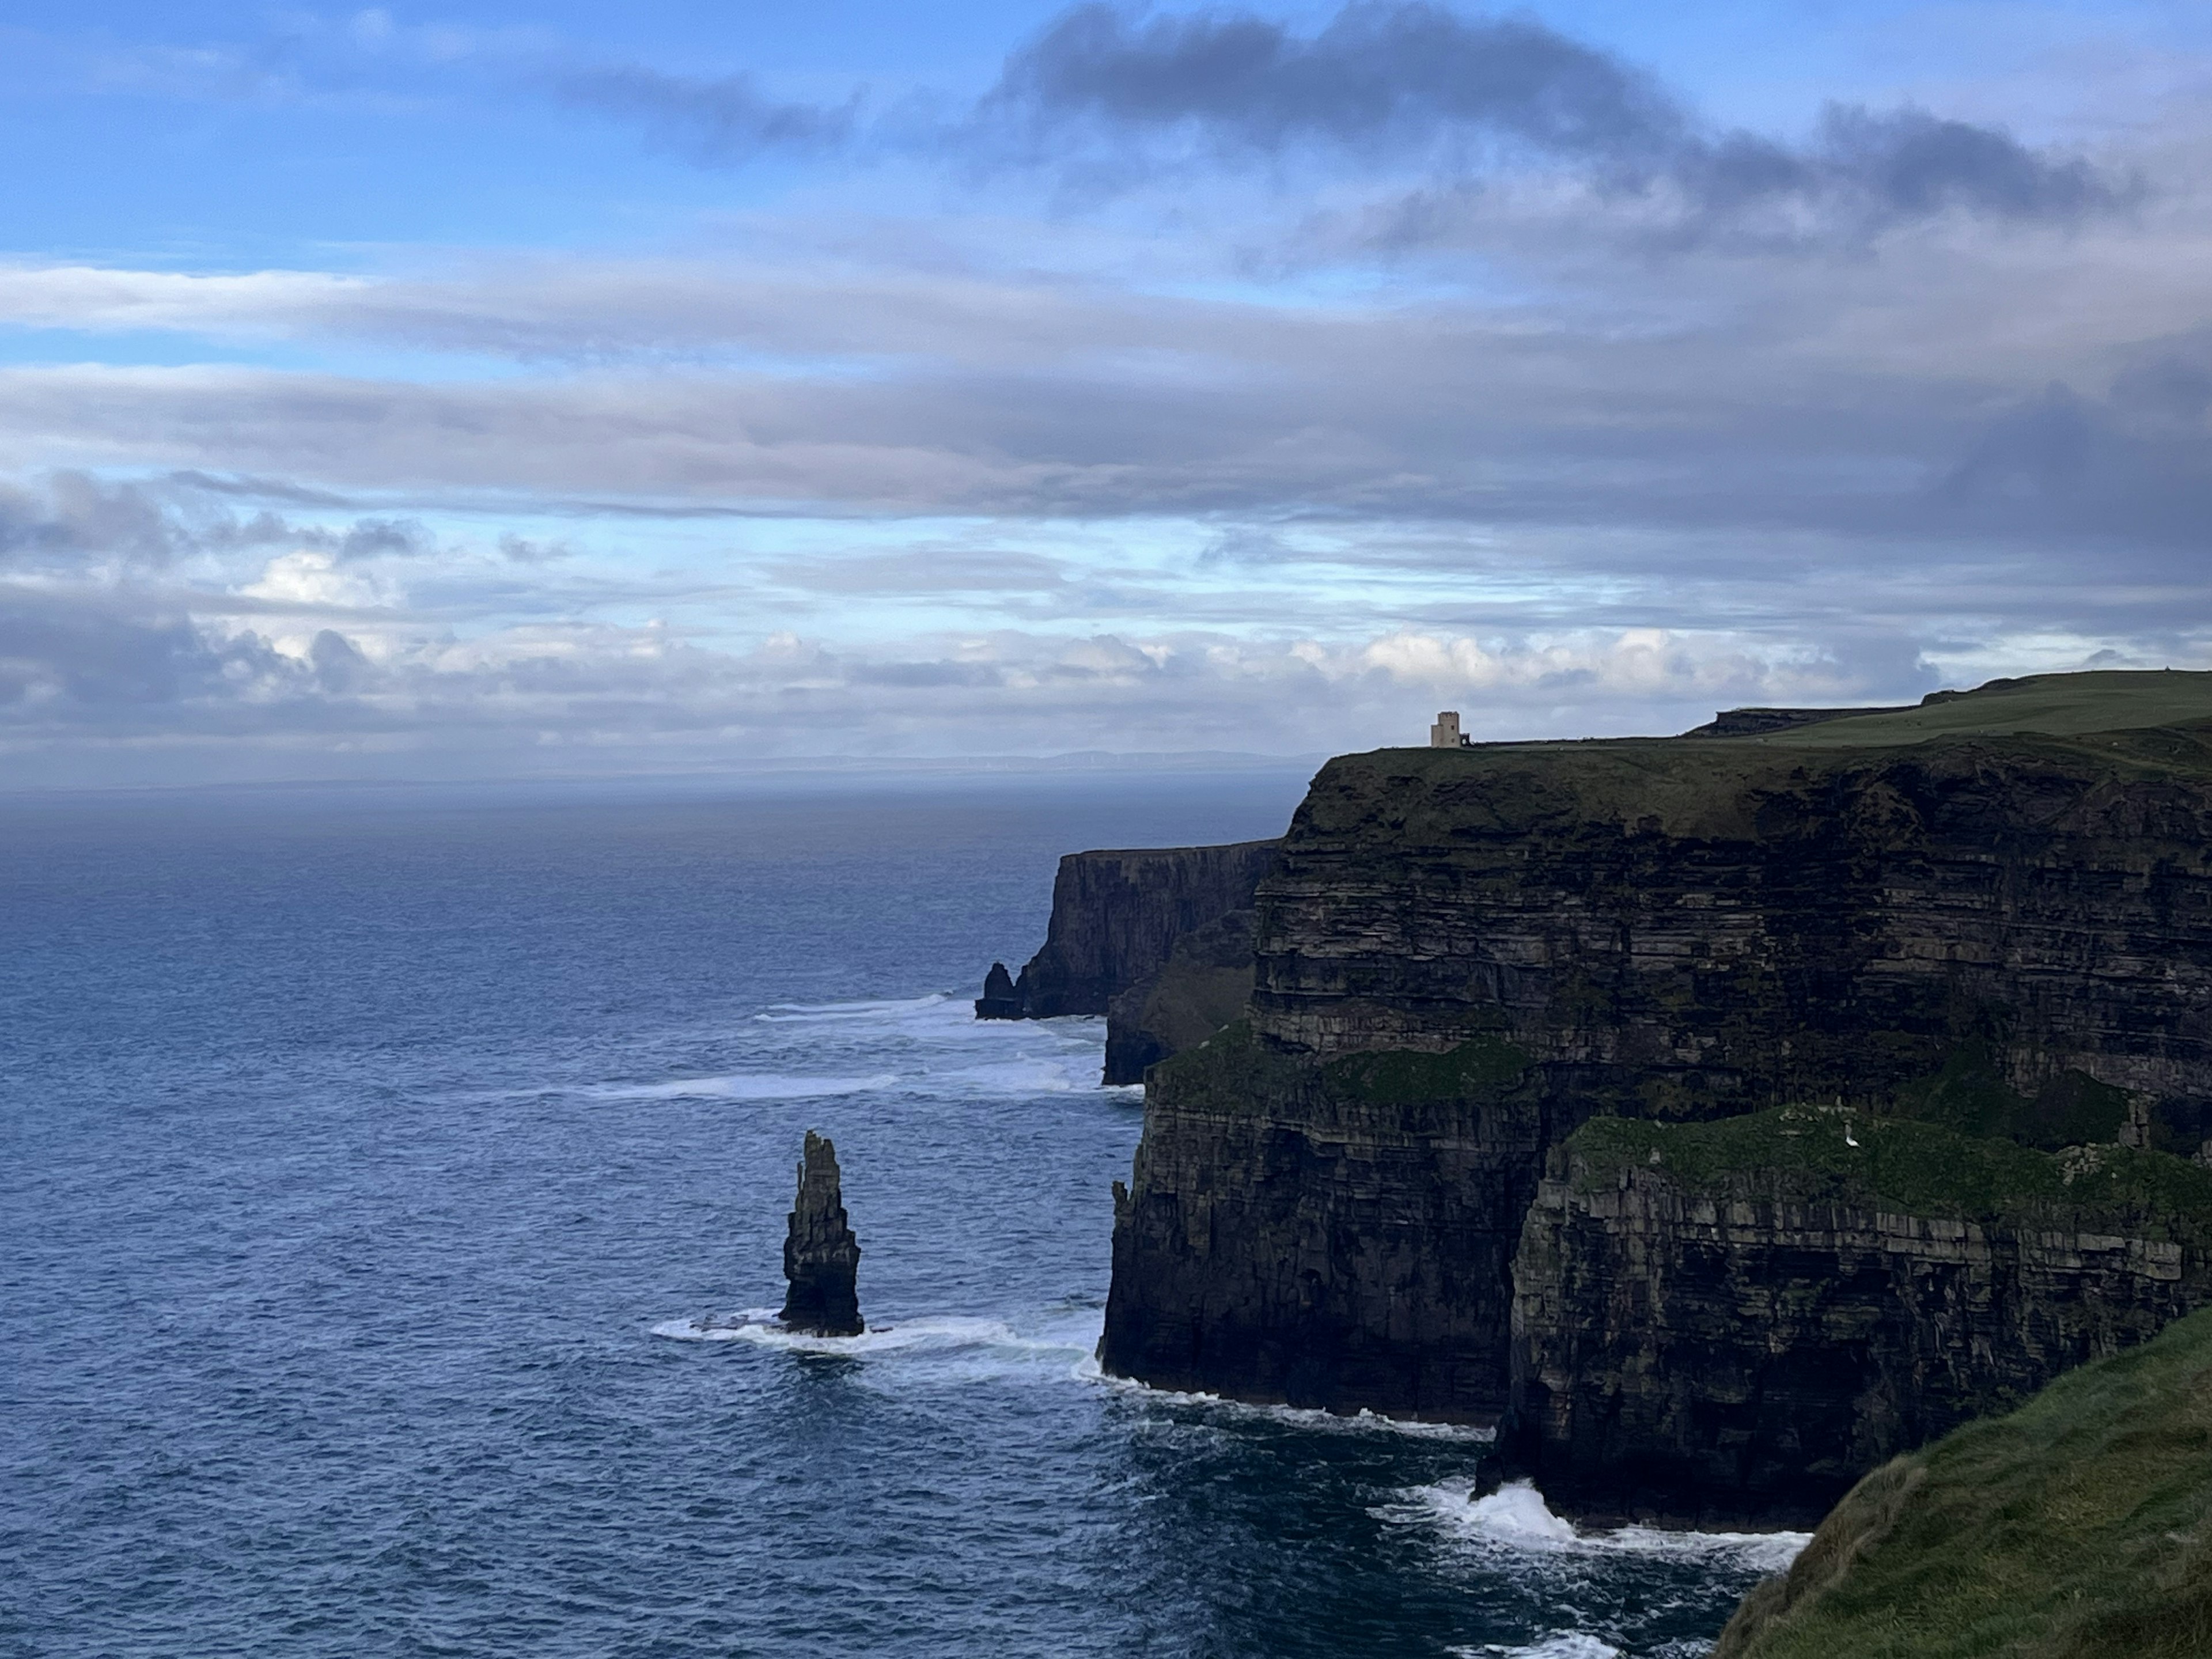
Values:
[(821, 1257)]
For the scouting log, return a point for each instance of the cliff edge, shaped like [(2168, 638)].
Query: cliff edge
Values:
[(2079, 1527), (1116, 916), (1992, 912), (1726, 1322)]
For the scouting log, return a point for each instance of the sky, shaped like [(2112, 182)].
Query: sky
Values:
[(542, 389)]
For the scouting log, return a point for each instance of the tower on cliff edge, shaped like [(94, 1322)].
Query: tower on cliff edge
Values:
[(821, 1257), (1446, 734)]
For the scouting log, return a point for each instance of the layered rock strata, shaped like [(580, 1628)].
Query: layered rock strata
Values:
[(1996, 909), (1733, 1322), (1116, 917), (1205, 984), (821, 1256)]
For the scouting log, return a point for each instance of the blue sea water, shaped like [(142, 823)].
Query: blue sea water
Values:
[(378, 1165)]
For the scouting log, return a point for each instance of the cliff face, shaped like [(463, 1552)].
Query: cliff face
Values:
[(1899, 912), (1734, 1322), (1333, 1235), (2079, 1527), (1116, 916), (1205, 984)]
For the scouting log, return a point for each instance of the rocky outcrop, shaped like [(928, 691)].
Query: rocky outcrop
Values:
[(1205, 984), (821, 1257), (1116, 916), (1991, 907), (999, 1000), (1733, 1322)]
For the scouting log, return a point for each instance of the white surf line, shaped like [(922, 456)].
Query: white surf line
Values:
[(1298, 1417)]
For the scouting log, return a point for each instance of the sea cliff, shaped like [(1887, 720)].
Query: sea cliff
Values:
[(1116, 916), (2078, 1527), (1732, 1322), (1992, 913), (1158, 939)]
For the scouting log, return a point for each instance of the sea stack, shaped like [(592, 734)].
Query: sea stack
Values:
[(999, 1000), (821, 1257)]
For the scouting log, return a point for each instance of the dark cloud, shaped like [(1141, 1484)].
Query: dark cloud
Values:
[(721, 121), (367, 538), (1387, 84), (72, 519), (521, 549), (338, 664), (67, 657), (1379, 77), (78, 519), (2132, 467)]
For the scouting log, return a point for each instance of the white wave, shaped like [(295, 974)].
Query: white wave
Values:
[(743, 1086), (939, 1334), (1515, 1517), (1297, 1417), (1517, 1512), (1029, 1075), (1565, 1644), (780, 1014)]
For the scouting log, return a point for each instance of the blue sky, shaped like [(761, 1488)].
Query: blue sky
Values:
[(523, 388)]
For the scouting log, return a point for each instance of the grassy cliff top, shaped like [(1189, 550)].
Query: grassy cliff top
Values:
[(2079, 1527), (2099, 724), (2053, 705), (1806, 1153)]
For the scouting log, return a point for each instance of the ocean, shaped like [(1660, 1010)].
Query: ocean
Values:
[(380, 1163)]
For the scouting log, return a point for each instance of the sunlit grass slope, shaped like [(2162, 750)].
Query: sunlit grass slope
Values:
[(2055, 705), (2079, 1527)]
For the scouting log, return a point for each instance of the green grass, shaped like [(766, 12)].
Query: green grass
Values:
[(1395, 1077), (1805, 1154), (1970, 1094), (2079, 1527), (2057, 705), (2115, 725)]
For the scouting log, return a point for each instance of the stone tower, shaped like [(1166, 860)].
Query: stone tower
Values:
[(1445, 734)]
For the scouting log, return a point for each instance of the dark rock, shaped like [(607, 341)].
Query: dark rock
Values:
[(1464, 955), (998, 1001), (1333, 1235), (1732, 1323), (1116, 916), (1205, 984), (821, 1257)]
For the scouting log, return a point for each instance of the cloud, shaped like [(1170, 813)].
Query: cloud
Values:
[(721, 121), (73, 521), (95, 673), (78, 519), (1379, 79), (1385, 84)]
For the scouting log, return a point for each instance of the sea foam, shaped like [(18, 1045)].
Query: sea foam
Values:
[(1567, 1644), (939, 1336), (916, 1048), (1515, 1517), (1296, 1417), (743, 1086)]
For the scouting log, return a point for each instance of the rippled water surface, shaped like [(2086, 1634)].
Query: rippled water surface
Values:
[(383, 1169)]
